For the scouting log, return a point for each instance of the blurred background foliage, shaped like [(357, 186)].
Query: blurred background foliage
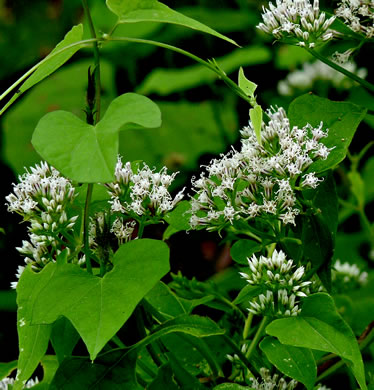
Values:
[(201, 116)]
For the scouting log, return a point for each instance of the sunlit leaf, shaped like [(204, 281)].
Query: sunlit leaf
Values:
[(154, 11), (98, 307), (87, 153)]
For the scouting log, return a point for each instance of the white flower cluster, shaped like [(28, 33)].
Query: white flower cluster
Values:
[(260, 181), (41, 197), (282, 286), (297, 21), (268, 382), (7, 383), (358, 15), (141, 192), (304, 79), (322, 387), (348, 275)]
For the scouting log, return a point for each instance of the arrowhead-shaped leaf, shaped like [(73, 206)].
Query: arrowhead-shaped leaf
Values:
[(87, 153), (98, 307), (153, 11), (246, 85)]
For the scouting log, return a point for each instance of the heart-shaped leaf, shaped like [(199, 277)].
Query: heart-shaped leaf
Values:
[(98, 307), (153, 11), (87, 153)]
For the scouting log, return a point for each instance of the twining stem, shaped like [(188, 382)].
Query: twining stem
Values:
[(257, 337), (107, 38), (96, 59), (97, 118), (83, 43), (340, 69)]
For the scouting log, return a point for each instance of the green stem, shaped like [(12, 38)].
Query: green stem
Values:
[(241, 355), (86, 222), (97, 106), (118, 341), (108, 38), (340, 69), (209, 65), (141, 228), (229, 303), (96, 59), (257, 337), (247, 325), (83, 43), (145, 367)]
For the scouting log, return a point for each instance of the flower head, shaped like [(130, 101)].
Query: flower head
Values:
[(358, 15), (304, 79), (268, 382), (42, 197), (281, 283), (347, 276), (260, 181), (141, 191), (7, 383), (298, 21)]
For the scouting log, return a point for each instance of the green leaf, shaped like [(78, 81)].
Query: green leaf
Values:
[(87, 153), (242, 250), (52, 62), (246, 85), (50, 366), (185, 380), (32, 339), (178, 219), (64, 337), (166, 81), (231, 386), (193, 325), (164, 379), (357, 187), (164, 301), (295, 362), (193, 352), (256, 118), (7, 368), (98, 307), (112, 371), (117, 368), (319, 230), (62, 91), (319, 326), (247, 293), (341, 118), (154, 11)]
